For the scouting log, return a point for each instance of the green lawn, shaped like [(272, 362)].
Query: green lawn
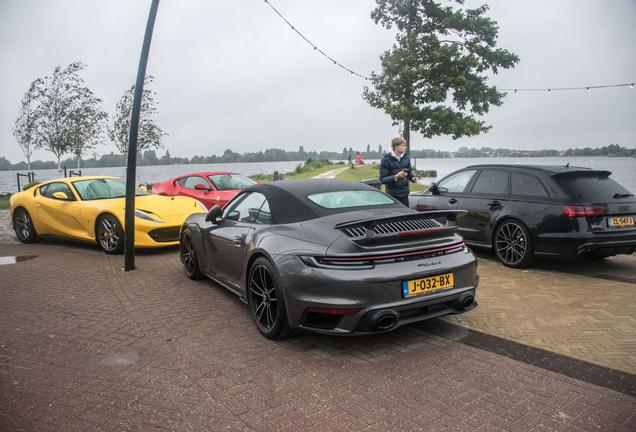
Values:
[(363, 172), (4, 203)]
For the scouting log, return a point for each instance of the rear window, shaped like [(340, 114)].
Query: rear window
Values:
[(348, 199), (590, 188)]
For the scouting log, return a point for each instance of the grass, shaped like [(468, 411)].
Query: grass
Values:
[(4, 203), (372, 171)]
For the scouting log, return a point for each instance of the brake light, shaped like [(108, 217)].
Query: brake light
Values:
[(582, 211)]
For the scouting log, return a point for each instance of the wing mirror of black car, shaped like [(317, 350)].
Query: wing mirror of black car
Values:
[(213, 214), (201, 186)]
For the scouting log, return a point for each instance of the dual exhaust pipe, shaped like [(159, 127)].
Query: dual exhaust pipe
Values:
[(385, 320)]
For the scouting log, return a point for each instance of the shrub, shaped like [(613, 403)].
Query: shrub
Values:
[(30, 185)]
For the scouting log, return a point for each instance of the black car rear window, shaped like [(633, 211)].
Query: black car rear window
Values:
[(590, 188)]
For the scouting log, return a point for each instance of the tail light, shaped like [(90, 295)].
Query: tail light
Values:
[(582, 211)]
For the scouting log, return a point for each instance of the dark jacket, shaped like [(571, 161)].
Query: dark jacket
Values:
[(389, 167)]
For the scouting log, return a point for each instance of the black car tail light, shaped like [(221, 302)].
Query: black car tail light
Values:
[(582, 211)]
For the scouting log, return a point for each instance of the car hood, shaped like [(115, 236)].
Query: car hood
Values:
[(167, 206)]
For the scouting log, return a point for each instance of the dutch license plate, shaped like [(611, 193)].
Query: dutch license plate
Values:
[(620, 221), (419, 286)]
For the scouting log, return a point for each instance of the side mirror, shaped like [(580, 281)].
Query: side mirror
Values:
[(433, 188), (143, 188), (213, 214), (201, 186), (60, 195)]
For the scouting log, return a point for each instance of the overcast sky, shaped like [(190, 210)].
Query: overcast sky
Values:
[(231, 74)]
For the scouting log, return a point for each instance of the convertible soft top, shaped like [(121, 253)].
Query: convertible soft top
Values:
[(288, 200)]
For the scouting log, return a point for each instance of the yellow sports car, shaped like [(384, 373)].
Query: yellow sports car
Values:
[(92, 209)]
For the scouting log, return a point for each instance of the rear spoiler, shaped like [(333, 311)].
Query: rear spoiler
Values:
[(450, 216), (580, 173)]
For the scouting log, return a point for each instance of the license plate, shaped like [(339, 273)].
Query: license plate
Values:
[(419, 286), (620, 221)]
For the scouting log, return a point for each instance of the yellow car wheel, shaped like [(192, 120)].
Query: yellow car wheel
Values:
[(23, 226), (110, 234)]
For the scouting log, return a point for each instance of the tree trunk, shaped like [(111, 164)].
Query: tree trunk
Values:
[(407, 135)]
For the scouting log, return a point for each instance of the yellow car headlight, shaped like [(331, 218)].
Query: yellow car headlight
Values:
[(143, 215)]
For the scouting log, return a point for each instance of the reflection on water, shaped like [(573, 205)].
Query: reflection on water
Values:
[(623, 169)]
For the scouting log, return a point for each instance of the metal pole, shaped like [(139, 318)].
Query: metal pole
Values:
[(131, 169)]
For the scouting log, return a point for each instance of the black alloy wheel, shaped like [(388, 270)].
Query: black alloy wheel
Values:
[(513, 245), (23, 226), (265, 298), (188, 256), (110, 234)]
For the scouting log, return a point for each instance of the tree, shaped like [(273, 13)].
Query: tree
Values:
[(24, 128), (67, 115), (438, 51), (150, 134)]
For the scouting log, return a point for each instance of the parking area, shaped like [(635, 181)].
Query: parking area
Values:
[(87, 346)]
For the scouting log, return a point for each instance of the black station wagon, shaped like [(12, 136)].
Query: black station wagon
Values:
[(521, 211)]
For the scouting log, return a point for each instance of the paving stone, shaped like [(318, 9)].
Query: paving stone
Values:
[(87, 346)]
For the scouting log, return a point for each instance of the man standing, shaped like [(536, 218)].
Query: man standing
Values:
[(395, 171)]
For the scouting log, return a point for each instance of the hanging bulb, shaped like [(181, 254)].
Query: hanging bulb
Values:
[(515, 90), (548, 90), (485, 91), (588, 89), (334, 63), (293, 28), (314, 48), (632, 85)]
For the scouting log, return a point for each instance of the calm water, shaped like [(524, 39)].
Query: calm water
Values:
[(623, 169)]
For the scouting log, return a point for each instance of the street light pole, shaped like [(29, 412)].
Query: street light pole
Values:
[(131, 170)]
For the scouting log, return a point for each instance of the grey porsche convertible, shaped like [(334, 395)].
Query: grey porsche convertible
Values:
[(330, 256)]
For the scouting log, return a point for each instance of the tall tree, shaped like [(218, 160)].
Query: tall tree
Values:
[(438, 51), (68, 117), (24, 128), (150, 134)]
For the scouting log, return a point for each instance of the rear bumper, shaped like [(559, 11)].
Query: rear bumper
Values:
[(588, 245), (375, 293)]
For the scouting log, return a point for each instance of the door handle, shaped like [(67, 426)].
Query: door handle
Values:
[(494, 204), (452, 201)]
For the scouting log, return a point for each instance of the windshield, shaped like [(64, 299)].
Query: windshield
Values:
[(103, 189), (347, 199), (230, 181)]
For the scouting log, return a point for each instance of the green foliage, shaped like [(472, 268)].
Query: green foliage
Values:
[(4, 203), (439, 51), (66, 115), (30, 185), (149, 135)]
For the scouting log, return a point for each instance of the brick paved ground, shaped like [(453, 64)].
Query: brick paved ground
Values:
[(87, 346)]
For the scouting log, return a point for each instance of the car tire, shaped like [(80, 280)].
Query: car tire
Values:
[(110, 234), (23, 226), (188, 256), (513, 245), (266, 302)]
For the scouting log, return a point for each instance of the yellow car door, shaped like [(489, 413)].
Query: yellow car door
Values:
[(58, 212)]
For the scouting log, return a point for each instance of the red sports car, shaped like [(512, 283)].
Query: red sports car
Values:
[(209, 188)]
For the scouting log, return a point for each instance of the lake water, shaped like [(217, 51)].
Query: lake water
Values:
[(623, 169)]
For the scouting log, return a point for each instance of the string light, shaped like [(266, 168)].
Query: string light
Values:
[(335, 63), (266, 2)]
